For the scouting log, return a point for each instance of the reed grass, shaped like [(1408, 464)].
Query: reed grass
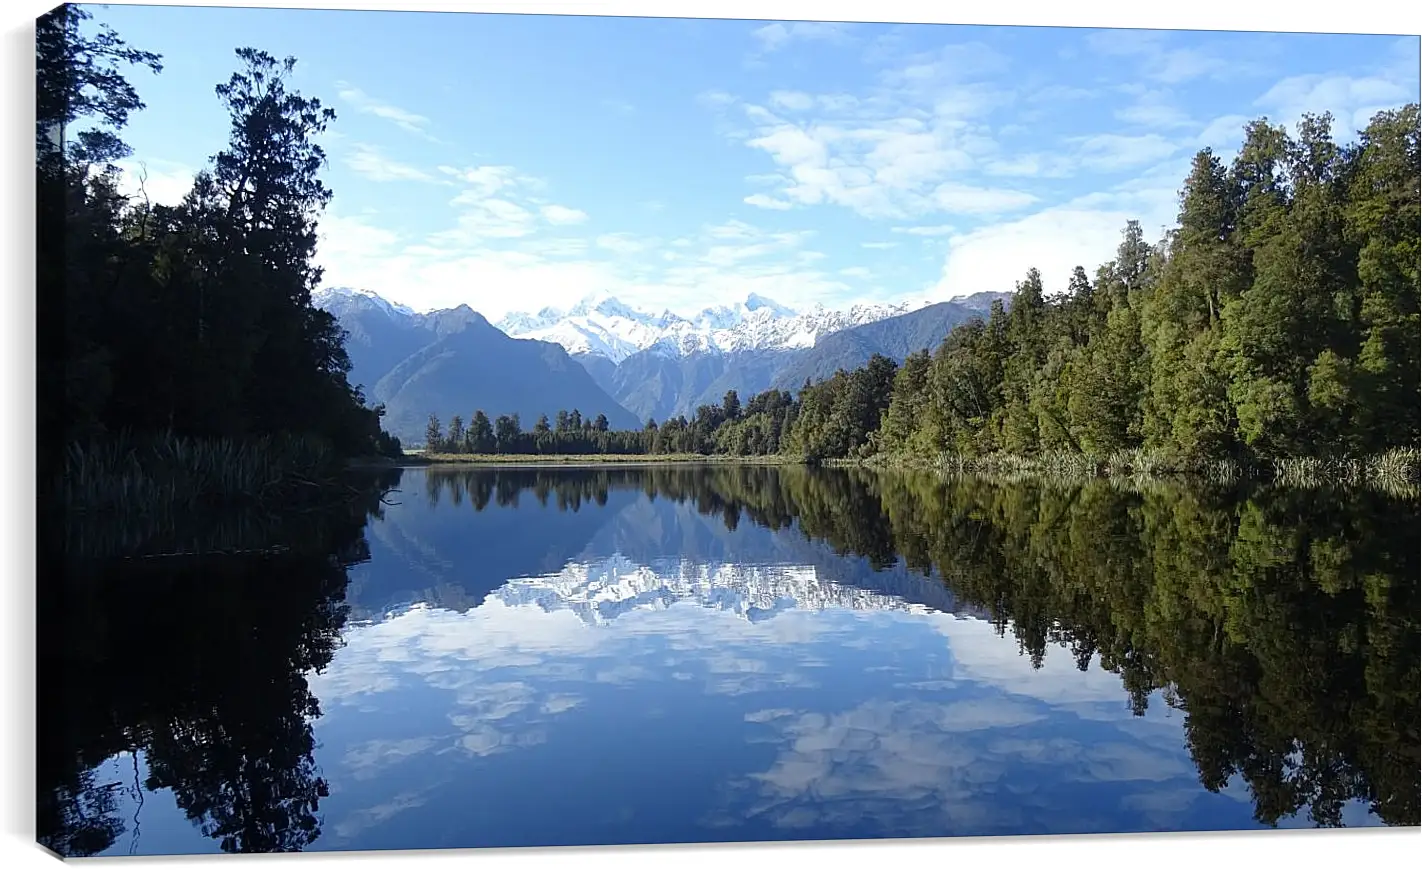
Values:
[(164, 474), (146, 497)]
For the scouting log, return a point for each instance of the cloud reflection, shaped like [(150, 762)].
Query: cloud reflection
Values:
[(936, 726)]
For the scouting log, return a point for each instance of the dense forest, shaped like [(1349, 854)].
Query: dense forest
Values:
[(1278, 320), (189, 324)]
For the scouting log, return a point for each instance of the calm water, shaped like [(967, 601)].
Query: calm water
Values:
[(608, 656)]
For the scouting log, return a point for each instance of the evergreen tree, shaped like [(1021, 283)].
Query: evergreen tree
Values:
[(455, 439), (434, 434), (481, 433)]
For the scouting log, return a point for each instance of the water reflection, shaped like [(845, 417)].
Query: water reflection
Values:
[(187, 676), (566, 656)]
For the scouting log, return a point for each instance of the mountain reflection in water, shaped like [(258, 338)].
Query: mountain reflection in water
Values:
[(691, 654)]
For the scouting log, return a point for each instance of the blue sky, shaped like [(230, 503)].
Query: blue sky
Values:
[(516, 161)]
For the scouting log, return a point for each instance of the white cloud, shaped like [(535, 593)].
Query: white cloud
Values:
[(482, 219), (903, 149), (1154, 109), (940, 230), (954, 63), (856, 272), (890, 168), (622, 243), (366, 104), (795, 101), (1161, 63), (486, 180), (1084, 232), (1059, 93), (1123, 42), (715, 98), (1110, 152), (1223, 134), (162, 182), (1351, 100), (562, 215), (760, 200), (492, 258), (773, 37), (370, 162), (966, 199), (1030, 166), (732, 229), (1182, 65), (555, 247), (341, 237)]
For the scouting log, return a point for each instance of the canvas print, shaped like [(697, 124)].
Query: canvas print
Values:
[(509, 430)]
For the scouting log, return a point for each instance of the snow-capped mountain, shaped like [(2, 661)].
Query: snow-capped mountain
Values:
[(339, 300), (601, 591), (603, 325)]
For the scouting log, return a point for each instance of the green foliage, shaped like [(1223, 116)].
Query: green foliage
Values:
[(194, 320), (1279, 320)]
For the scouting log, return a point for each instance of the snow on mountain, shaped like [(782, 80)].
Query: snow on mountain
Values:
[(601, 591), (601, 324), (598, 324), (339, 299)]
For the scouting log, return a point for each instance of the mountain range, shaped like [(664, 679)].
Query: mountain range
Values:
[(604, 356), (602, 325), (455, 362)]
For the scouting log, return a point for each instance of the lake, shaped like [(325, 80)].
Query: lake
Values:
[(618, 655)]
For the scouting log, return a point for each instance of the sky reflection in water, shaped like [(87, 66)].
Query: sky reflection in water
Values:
[(636, 671)]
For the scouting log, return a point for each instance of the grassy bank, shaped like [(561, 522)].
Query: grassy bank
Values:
[(1395, 471)]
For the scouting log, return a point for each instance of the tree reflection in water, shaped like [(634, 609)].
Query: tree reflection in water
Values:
[(1282, 623), (198, 664)]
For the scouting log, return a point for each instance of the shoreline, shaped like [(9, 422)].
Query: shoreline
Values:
[(1397, 469), (572, 460)]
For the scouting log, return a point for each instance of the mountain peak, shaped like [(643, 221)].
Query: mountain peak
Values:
[(602, 325), (601, 302), (329, 298), (757, 302)]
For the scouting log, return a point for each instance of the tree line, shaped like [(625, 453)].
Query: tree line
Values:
[(1279, 319), (728, 428), (191, 320)]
